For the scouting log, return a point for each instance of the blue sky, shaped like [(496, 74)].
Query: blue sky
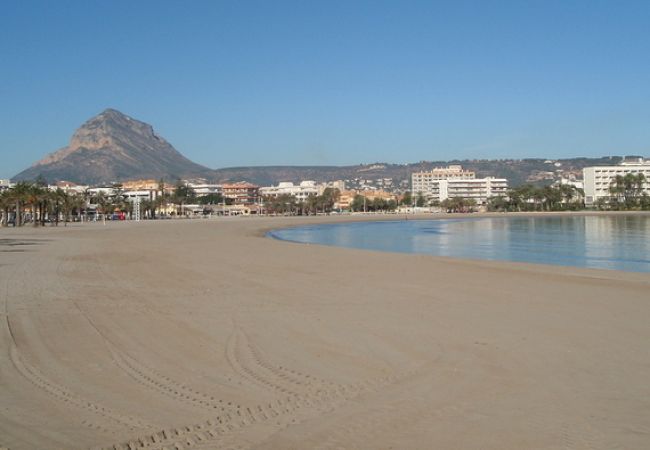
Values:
[(331, 82)]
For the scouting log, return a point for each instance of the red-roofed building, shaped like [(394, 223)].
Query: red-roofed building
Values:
[(241, 193)]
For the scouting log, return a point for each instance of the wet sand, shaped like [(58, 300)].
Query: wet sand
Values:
[(206, 335)]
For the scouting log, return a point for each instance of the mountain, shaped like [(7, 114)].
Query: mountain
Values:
[(112, 147), (518, 171)]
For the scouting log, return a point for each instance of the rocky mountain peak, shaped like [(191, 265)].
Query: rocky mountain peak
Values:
[(113, 146)]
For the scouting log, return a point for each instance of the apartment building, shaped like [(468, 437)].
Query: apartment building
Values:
[(598, 179), (241, 193), (421, 181), (478, 189), (300, 191), (5, 184), (203, 190), (453, 181)]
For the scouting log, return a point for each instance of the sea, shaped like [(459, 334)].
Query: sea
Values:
[(614, 242)]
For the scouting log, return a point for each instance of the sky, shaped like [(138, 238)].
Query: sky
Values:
[(238, 83)]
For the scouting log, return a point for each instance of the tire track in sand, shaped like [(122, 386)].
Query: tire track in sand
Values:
[(54, 390), (226, 430)]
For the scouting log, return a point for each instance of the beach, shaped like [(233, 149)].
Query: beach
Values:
[(205, 334)]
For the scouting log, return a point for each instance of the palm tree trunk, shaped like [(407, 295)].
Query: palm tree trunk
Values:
[(18, 222)]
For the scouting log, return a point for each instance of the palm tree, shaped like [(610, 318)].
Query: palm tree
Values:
[(5, 204), (160, 198), (19, 194), (148, 208), (103, 202), (37, 198), (628, 189), (60, 199), (79, 204), (617, 188)]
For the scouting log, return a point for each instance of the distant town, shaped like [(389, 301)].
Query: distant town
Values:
[(625, 186)]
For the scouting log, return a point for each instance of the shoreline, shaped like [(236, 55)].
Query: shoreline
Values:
[(271, 233)]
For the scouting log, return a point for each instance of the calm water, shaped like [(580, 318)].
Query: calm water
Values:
[(605, 242)]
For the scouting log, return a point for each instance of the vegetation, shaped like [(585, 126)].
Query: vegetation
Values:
[(527, 197), (407, 199), (627, 193), (377, 204), (420, 200), (288, 205), (34, 203), (459, 205), (213, 199)]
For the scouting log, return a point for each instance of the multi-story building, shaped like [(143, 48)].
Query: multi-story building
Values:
[(338, 184), (598, 179), (424, 182), (478, 189), (202, 190), (142, 185), (300, 192), (442, 183), (5, 184), (241, 193)]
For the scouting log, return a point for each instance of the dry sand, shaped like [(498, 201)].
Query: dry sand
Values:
[(206, 335)]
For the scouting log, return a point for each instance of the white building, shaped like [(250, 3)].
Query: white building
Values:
[(300, 192), (442, 183), (598, 179), (142, 194), (578, 184), (5, 184), (424, 181), (478, 189), (202, 190), (68, 187), (338, 184), (107, 191)]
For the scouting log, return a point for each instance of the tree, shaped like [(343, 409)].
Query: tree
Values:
[(421, 201), (103, 202), (183, 194), (407, 199), (19, 194), (358, 203), (627, 191), (328, 198), (5, 205), (160, 201), (311, 204), (63, 204), (458, 205), (210, 199), (282, 204), (497, 204), (148, 207), (36, 195)]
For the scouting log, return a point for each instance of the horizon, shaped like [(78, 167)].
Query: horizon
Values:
[(336, 84)]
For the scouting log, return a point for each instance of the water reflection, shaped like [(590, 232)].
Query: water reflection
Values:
[(608, 242)]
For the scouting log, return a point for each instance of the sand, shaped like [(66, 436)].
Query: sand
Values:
[(205, 334)]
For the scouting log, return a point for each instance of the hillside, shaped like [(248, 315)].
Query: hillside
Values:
[(517, 171), (112, 147)]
